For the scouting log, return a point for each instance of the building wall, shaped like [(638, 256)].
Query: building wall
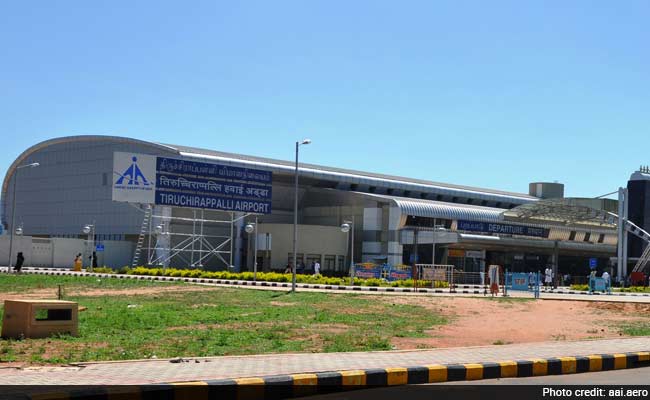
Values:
[(72, 187), (638, 212), (312, 240)]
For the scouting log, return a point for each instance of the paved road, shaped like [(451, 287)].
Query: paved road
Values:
[(455, 390), (157, 371), (636, 376)]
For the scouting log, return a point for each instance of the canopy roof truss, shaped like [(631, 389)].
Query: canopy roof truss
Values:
[(561, 211)]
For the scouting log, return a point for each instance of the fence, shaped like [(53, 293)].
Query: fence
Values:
[(449, 274)]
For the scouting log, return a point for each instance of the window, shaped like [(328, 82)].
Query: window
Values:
[(104, 179), (329, 263), (312, 259), (299, 258), (572, 236), (341, 263), (601, 238), (587, 237)]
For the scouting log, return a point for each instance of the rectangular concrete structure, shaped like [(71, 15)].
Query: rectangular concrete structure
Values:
[(39, 318)]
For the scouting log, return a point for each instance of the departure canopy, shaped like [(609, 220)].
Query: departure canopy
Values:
[(567, 211)]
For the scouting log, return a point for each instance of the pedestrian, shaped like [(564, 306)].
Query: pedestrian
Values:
[(316, 268), (548, 276), (287, 270), (93, 260), (78, 262), (531, 279), (20, 259), (493, 277)]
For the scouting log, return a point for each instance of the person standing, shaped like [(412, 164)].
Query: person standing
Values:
[(316, 268), (548, 276), (93, 260), (78, 261), (20, 259)]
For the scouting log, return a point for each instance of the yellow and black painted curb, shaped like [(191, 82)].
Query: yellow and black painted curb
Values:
[(298, 385)]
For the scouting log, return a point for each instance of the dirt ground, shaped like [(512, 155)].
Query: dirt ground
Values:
[(473, 321), (51, 293), (480, 322)]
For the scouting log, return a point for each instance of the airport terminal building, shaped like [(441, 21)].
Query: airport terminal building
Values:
[(393, 218)]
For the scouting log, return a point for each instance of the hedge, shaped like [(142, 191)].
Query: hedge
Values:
[(266, 277)]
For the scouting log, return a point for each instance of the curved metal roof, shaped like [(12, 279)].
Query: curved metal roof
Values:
[(333, 174), (452, 211), (435, 209), (358, 177), (67, 139)]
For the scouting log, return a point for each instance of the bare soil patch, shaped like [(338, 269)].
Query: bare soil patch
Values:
[(480, 322), (51, 293)]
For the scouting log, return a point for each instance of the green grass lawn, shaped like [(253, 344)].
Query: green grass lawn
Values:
[(11, 283), (636, 328), (221, 321)]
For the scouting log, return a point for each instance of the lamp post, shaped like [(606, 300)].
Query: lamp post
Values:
[(13, 212), (348, 227), (295, 219), (90, 231), (251, 227)]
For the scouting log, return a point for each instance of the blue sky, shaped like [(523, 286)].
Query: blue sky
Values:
[(491, 94)]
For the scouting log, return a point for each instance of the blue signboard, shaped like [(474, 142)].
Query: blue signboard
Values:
[(366, 272), (194, 184), (399, 274), (99, 247), (385, 271), (519, 281), (491, 227), (593, 263)]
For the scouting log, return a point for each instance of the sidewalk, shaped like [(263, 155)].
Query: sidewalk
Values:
[(201, 369)]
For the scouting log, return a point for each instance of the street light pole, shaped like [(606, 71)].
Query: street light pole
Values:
[(348, 227), (352, 252), (255, 254), (295, 219), (90, 231), (13, 212), (252, 228)]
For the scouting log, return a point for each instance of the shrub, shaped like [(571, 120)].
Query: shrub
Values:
[(275, 277), (582, 288), (103, 270), (124, 270), (636, 289)]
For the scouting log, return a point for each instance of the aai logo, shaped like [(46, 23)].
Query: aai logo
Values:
[(133, 175)]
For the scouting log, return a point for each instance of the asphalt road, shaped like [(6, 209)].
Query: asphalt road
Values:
[(468, 389), (636, 376)]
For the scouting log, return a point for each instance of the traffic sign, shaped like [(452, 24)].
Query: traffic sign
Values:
[(593, 263), (99, 247)]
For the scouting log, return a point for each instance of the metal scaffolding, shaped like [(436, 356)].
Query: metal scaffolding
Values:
[(167, 242)]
